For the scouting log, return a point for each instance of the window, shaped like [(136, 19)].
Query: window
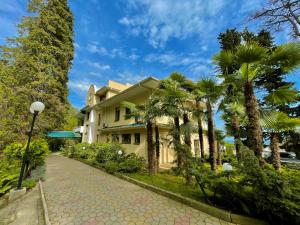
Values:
[(115, 138), (99, 119), (117, 114), (126, 138), (137, 138), (88, 116), (127, 113)]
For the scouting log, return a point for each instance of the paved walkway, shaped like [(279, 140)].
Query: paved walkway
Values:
[(24, 211), (79, 194)]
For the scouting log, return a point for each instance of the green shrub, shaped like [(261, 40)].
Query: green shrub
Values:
[(108, 152), (9, 173), (111, 167), (132, 164), (14, 151), (253, 190), (29, 183)]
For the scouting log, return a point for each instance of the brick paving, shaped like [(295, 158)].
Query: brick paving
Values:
[(79, 194)]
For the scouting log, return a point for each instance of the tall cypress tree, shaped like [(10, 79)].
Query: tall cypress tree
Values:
[(41, 57)]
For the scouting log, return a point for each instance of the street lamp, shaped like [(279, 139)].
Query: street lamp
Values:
[(35, 109)]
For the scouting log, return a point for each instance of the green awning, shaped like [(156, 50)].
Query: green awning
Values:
[(63, 134)]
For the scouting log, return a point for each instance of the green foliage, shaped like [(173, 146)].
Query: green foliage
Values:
[(253, 190), (110, 156), (111, 167), (9, 172), (132, 164), (34, 66), (37, 153), (29, 183)]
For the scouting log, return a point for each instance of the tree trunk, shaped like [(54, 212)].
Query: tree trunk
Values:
[(177, 142), (187, 136), (187, 155), (157, 147), (218, 153), (237, 135), (254, 133), (200, 132), (211, 138), (274, 146), (150, 147)]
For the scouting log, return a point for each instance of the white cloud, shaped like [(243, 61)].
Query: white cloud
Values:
[(193, 61), (129, 77), (95, 65), (94, 48), (79, 86), (161, 20)]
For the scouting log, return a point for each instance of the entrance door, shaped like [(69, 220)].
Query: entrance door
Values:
[(197, 147)]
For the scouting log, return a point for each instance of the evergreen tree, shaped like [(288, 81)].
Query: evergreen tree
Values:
[(40, 59)]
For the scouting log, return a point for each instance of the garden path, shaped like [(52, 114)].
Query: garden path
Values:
[(79, 194)]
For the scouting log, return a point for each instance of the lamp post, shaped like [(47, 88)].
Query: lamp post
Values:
[(35, 109)]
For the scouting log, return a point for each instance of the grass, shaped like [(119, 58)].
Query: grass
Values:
[(170, 182)]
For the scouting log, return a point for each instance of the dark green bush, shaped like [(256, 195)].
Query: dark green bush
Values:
[(111, 167), (132, 164), (9, 173), (111, 156), (253, 190)]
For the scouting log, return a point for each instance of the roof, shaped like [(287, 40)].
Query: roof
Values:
[(147, 84), (63, 134), (130, 126)]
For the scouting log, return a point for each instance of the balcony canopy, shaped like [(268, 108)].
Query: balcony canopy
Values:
[(63, 134)]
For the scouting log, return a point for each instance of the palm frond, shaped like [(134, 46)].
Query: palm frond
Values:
[(278, 121), (287, 56), (283, 95), (250, 53)]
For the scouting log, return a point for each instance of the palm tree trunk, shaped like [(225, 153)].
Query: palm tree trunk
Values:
[(200, 132), (218, 153), (187, 155), (150, 147), (211, 138), (187, 135), (237, 135), (254, 133), (274, 146), (177, 142), (157, 147)]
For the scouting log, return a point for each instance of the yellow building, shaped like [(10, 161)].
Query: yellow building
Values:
[(105, 119)]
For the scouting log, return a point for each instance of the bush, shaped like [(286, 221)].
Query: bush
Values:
[(108, 152), (9, 173), (37, 152), (253, 190), (111, 156), (132, 164), (111, 167)]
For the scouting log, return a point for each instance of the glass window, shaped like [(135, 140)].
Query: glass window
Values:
[(127, 113), (115, 138), (126, 138), (137, 138), (117, 114)]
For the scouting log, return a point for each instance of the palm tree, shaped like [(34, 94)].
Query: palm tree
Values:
[(275, 123), (199, 114), (220, 141), (210, 92), (173, 99), (233, 115), (147, 112), (251, 59)]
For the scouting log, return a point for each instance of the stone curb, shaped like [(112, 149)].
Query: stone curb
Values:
[(211, 210), (45, 208)]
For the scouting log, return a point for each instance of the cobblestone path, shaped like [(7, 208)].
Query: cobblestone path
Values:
[(79, 194)]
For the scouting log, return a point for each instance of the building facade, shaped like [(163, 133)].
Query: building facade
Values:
[(106, 121)]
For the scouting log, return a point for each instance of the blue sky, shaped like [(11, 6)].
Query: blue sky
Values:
[(128, 40)]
